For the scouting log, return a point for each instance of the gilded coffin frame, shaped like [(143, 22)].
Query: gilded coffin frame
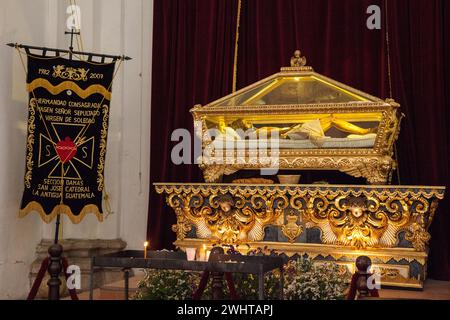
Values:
[(375, 164)]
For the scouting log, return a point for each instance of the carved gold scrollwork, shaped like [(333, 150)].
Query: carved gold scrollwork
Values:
[(357, 217), (433, 207), (357, 221), (389, 273), (183, 226), (225, 218), (417, 234), (296, 201), (351, 225)]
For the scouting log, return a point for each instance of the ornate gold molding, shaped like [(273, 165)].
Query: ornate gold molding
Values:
[(358, 217), (375, 169)]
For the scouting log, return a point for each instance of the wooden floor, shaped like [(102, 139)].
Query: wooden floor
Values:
[(433, 290)]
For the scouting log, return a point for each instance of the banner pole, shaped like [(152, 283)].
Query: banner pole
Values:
[(71, 41), (59, 51), (56, 250), (58, 217), (57, 223)]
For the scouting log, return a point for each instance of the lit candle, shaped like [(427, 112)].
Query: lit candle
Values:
[(204, 253), (145, 249)]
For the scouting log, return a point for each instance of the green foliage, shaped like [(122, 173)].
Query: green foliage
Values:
[(247, 286)]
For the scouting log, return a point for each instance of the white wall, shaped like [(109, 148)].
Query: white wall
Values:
[(108, 26)]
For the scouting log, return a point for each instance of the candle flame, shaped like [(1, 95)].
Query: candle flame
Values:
[(146, 244)]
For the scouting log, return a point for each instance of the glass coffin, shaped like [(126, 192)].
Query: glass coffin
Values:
[(298, 119)]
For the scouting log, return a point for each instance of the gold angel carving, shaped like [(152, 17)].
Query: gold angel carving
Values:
[(357, 221), (376, 171), (225, 219), (297, 59)]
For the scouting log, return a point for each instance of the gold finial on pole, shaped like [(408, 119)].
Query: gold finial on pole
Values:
[(297, 60)]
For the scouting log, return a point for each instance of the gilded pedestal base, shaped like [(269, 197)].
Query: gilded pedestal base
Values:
[(327, 222)]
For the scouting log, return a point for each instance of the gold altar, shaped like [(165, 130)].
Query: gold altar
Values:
[(303, 120), (325, 222), (317, 123)]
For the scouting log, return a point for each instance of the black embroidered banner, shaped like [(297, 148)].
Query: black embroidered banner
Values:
[(68, 114)]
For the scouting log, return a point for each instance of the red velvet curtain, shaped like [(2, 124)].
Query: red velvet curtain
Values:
[(418, 60), (193, 50), (192, 63)]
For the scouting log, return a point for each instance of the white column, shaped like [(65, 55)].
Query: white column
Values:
[(108, 26), (137, 36), (123, 27), (20, 21)]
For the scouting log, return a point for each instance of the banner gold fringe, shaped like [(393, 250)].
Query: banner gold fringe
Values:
[(60, 209)]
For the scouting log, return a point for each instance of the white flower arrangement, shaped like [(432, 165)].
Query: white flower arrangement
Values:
[(304, 280), (308, 281), (166, 285)]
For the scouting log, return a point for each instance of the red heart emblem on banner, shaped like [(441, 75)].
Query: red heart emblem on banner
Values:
[(66, 150)]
